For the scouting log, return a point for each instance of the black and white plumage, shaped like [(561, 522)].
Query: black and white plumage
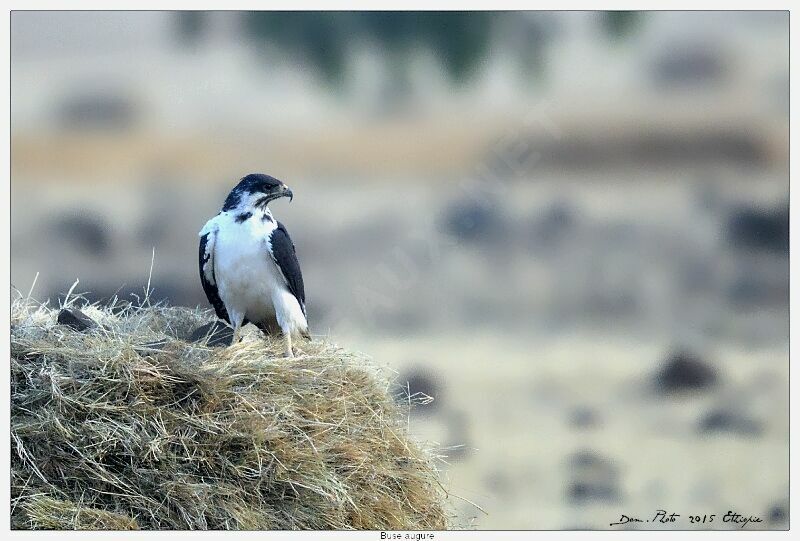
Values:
[(248, 265)]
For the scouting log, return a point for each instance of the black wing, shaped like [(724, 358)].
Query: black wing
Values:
[(282, 252), (207, 275)]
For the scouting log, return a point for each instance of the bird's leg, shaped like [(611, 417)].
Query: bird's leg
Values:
[(287, 339), (236, 320), (236, 334)]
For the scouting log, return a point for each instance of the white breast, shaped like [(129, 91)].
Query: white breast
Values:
[(249, 282), (243, 277)]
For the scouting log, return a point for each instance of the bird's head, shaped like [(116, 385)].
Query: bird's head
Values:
[(256, 191)]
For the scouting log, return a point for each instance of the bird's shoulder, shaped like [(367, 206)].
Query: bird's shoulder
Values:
[(212, 225), (281, 231), (279, 242)]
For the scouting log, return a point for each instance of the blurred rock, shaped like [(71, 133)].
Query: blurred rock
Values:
[(74, 318), (720, 420), (420, 386), (778, 515), (217, 332), (499, 483), (473, 221), (684, 371), (759, 284), (551, 227), (594, 479), (584, 417), (688, 64), (86, 231), (587, 460), (580, 492), (754, 228), (105, 110)]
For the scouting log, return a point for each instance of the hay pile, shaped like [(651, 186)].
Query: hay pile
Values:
[(129, 425)]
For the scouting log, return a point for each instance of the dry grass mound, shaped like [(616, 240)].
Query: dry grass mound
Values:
[(130, 425)]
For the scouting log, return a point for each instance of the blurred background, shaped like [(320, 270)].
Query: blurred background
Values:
[(569, 228)]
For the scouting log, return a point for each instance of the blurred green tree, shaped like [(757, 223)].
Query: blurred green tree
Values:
[(621, 24), (459, 39), (191, 25)]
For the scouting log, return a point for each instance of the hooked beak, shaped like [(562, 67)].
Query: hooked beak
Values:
[(284, 191)]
